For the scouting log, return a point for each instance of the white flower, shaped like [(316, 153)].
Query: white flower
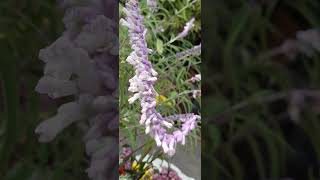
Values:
[(196, 78), (134, 98), (196, 93), (56, 88), (67, 114)]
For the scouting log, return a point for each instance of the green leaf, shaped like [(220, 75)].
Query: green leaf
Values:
[(258, 156), (159, 46)]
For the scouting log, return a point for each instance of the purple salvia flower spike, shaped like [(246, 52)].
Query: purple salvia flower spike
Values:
[(142, 85)]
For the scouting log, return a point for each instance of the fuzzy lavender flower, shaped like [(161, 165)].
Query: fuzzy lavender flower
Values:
[(310, 37), (185, 31), (194, 51), (142, 85), (153, 5), (83, 63), (307, 42), (186, 28)]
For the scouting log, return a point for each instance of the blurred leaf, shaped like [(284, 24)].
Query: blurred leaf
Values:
[(235, 163), (159, 46), (258, 157), (19, 171)]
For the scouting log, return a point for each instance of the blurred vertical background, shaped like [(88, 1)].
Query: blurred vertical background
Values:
[(26, 26), (260, 88)]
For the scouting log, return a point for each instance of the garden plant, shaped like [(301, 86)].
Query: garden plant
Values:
[(160, 47)]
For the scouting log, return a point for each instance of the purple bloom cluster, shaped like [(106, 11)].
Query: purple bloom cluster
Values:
[(153, 5), (142, 85), (166, 174), (126, 151)]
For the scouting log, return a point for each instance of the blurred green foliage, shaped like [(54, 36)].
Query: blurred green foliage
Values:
[(247, 129)]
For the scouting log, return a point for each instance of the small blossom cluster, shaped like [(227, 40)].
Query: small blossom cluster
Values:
[(194, 79), (153, 5), (126, 152), (142, 85), (130, 166), (150, 170), (166, 174)]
